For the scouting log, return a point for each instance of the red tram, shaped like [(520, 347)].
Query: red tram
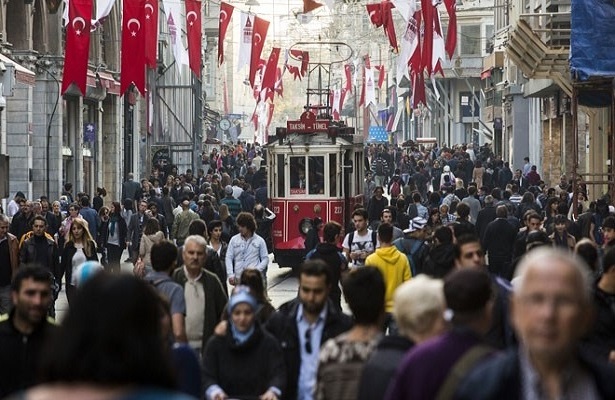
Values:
[(314, 170)]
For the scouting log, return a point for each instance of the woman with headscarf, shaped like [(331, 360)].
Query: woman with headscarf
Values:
[(246, 362)]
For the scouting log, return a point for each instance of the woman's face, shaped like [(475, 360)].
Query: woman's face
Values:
[(56, 207), (77, 231), (242, 317), (560, 227), (554, 205), (73, 212)]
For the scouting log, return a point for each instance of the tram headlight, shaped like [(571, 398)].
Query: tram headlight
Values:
[(305, 225)]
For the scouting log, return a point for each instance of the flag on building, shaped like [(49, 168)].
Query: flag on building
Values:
[(151, 33), (259, 34), (381, 75), (310, 5), (176, 27), (77, 45), (103, 8), (269, 78), (438, 49), (245, 41), (193, 31), (226, 12), (451, 32), (427, 10), (133, 46)]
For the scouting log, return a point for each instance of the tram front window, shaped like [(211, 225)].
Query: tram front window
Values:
[(317, 175), (298, 181)]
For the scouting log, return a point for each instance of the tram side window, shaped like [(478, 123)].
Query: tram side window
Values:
[(280, 175), (333, 175), (298, 181), (316, 179)]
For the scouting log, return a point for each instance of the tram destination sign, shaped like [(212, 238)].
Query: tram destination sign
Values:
[(307, 124)]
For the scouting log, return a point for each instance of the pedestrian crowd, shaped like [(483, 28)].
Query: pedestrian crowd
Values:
[(462, 280)]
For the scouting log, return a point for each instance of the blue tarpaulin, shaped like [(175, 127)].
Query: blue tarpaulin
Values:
[(592, 39)]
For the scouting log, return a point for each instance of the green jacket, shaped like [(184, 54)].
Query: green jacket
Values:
[(215, 299)]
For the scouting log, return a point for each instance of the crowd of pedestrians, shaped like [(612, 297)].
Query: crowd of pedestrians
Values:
[(462, 279)]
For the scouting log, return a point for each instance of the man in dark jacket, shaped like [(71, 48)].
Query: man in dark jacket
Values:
[(551, 311), (24, 330), (485, 216), (304, 324), (335, 259), (498, 243)]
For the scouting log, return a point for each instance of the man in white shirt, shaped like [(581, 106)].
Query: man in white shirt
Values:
[(360, 243), (246, 250)]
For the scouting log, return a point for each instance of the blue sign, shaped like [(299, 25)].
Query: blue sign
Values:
[(378, 134), (89, 132)]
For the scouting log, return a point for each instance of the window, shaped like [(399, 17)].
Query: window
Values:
[(489, 39), (470, 40), (333, 175), (316, 179), (298, 180), (280, 175)]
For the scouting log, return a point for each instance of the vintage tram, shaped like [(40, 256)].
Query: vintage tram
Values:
[(315, 169)]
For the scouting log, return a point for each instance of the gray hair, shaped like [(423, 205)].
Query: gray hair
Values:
[(417, 304), (198, 239), (542, 256)]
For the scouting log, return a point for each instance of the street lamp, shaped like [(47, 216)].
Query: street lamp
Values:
[(42, 65)]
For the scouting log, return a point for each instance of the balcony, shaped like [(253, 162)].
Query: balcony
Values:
[(543, 56)]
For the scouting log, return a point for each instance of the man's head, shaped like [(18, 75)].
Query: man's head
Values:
[(386, 216), (469, 253), (469, 296), (142, 206), (164, 256), (532, 221), (359, 219), (501, 211), (85, 201), (214, 229), (331, 232), (4, 225), (246, 223), (314, 285), (195, 252), (551, 304), (39, 224), (364, 292), (608, 229), (197, 227), (385, 233), (31, 294)]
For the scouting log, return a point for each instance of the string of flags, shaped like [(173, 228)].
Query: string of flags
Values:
[(421, 49), (139, 38)]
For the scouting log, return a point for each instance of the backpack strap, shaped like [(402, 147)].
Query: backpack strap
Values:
[(461, 369)]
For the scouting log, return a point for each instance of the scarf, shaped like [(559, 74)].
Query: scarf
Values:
[(114, 218), (241, 337)]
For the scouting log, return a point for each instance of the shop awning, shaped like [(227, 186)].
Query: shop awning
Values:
[(106, 81), (22, 74)]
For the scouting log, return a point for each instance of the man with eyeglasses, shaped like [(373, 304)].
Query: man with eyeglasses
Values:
[(303, 325), (551, 311), (470, 255)]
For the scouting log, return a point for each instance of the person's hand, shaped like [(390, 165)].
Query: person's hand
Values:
[(269, 395), (220, 329), (139, 268), (232, 280)]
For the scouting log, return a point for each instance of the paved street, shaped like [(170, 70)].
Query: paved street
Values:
[(282, 286)]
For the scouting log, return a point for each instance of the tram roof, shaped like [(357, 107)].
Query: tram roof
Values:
[(317, 139)]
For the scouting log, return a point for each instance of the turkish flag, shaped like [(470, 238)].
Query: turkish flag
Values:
[(415, 57), (347, 72), (271, 69), (151, 33), (133, 46), (310, 5), (226, 11), (427, 9), (259, 34), (193, 31), (279, 83), (451, 33), (388, 24), (77, 44), (375, 14)]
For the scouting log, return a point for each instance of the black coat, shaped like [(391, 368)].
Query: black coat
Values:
[(283, 326), (67, 259), (244, 370), (500, 378), (485, 216)]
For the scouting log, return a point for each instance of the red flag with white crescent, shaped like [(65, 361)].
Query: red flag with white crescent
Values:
[(347, 73), (133, 46), (451, 33), (271, 69), (77, 45), (375, 14), (151, 33), (427, 9), (193, 32), (259, 34), (226, 11)]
